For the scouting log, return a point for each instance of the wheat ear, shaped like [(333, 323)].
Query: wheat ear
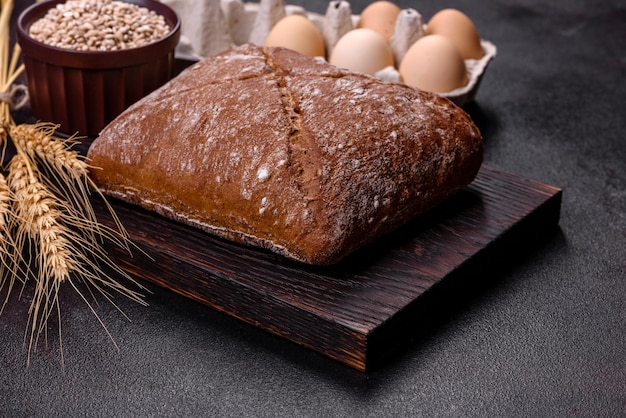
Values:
[(66, 166), (5, 212), (48, 229), (8, 258), (71, 173), (63, 229), (38, 222)]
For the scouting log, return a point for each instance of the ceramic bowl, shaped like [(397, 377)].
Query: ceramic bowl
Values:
[(82, 91)]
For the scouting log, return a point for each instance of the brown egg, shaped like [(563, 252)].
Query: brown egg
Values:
[(433, 64), (362, 50), (380, 16), (457, 27), (297, 33)]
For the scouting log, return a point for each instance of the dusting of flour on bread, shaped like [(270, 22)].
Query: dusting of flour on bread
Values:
[(270, 148)]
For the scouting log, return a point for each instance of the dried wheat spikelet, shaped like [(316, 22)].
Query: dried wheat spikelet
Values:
[(63, 164), (37, 219), (46, 228), (49, 232), (8, 264)]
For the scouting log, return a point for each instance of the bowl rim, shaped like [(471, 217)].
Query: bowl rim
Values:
[(66, 57)]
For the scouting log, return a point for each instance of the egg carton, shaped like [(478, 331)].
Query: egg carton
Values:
[(210, 27)]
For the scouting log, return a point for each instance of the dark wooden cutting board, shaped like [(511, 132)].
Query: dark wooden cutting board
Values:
[(363, 310)]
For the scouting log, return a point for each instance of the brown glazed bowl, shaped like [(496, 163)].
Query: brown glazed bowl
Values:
[(82, 91)]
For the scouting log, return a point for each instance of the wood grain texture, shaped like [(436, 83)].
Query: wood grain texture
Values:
[(363, 310)]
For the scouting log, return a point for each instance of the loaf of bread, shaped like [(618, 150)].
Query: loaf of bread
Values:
[(266, 147)]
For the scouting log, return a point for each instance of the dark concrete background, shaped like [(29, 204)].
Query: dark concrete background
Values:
[(547, 338)]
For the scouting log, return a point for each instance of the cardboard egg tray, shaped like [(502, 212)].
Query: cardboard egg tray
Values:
[(210, 27)]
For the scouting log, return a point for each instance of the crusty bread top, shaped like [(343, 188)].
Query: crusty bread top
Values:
[(268, 147)]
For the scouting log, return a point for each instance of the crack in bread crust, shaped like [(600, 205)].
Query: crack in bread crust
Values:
[(303, 151)]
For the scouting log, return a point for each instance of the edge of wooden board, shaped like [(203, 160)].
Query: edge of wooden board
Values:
[(324, 309)]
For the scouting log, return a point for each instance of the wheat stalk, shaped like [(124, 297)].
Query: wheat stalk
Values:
[(36, 209), (8, 265), (49, 231), (38, 221), (65, 242), (65, 166), (38, 140)]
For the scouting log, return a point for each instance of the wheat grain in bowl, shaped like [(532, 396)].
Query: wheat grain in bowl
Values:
[(83, 90), (99, 25)]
